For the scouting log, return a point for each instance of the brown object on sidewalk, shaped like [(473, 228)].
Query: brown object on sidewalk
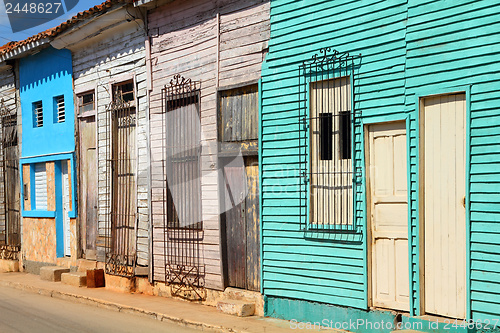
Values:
[(95, 278)]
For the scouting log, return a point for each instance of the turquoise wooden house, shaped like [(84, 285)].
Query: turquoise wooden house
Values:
[(380, 164)]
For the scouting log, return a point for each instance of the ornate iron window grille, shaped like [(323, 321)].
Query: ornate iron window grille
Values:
[(326, 123), (10, 231), (182, 214), (121, 217)]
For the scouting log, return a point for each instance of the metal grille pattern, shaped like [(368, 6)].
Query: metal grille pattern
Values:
[(325, 141), (182, 225), (121, 184), (38, 114), (61, 110), (11, 241)]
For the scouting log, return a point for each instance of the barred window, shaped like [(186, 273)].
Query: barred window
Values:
[(326, 141), (37, 114), (59, 107)]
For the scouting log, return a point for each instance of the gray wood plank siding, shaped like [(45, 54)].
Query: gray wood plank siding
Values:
[(184, 36), (117, 57)]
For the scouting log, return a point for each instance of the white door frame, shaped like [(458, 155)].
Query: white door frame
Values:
[(369, 257), (420, 97)]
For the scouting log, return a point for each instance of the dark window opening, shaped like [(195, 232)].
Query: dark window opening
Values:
[(125, 91), (86, 102), (326, 136), (345, 134), (37, 114)]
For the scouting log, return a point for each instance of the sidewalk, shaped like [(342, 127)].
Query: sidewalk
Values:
[(187, 314)]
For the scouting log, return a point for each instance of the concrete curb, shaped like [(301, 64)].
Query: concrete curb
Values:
[(118, 307)]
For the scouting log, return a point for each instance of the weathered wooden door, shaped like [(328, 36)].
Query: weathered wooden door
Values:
[(242, 225), (88, 185), (66, 208), (388, 208), (444, 132)]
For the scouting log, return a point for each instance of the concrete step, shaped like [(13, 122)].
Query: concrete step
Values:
[(7, 266), (52, 273), (77, 279), (84, 265), (236, 307), (247, 296)]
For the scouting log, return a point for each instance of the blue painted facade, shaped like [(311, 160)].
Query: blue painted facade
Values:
[(43, 77), (409, 49)]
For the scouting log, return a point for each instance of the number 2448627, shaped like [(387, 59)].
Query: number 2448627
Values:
[(33, 8)]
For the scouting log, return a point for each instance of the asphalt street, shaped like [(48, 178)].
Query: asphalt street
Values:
[(22, 311)]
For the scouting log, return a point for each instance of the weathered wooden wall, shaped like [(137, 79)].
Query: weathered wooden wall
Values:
[(184, 39), (8, 98), (118, 55)]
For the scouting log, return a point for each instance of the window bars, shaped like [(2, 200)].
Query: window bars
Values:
[(182, 214), (325, 141), (10, 230), (38, 114), (121, 182), (60, 108)]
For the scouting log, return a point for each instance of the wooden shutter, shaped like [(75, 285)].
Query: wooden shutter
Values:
[(40, 186)]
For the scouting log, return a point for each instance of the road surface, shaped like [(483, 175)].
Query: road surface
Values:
[(22, 311)]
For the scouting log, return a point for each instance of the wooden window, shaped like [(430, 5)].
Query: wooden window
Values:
[(330, 152), (59, 106), (86, 102), (326, 119), (125, 91), (37, 114), (40, 186), (238, 114)]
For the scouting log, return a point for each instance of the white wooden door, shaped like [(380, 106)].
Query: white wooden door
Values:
[(388, 204), (66, 209), (444, 205)]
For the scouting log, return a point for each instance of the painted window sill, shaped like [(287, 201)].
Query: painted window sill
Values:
[(39, 213)]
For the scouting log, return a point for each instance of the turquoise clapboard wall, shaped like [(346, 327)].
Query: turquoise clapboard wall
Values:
[(457, 44), (409, 49)]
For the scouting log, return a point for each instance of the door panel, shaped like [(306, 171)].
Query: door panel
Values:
[(235, 225), (88, 183), (252, 224), (444, 209), (389, 215), (242, 224)]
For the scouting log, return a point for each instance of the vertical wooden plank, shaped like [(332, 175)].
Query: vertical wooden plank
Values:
[(235, 226), (236, 108), (252, 224), (227, 117)]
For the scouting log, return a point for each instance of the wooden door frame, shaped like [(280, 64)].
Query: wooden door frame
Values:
[(420, 117), (369, 244)]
